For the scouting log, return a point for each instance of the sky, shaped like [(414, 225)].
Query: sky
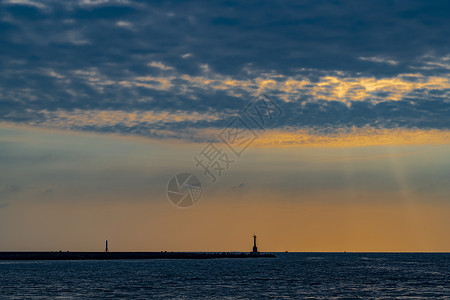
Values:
[(341, 109)]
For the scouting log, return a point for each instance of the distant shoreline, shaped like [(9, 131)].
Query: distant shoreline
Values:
[(45, 255)]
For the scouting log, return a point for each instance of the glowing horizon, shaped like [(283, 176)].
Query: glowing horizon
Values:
[(368, 198)]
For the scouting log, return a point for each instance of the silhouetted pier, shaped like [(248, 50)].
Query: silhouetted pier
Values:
[(124, 255), (67, 255)]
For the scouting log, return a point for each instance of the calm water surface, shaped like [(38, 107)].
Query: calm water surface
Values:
[(291, 275)]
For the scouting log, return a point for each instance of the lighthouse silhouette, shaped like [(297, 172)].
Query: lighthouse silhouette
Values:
[(255, 248)]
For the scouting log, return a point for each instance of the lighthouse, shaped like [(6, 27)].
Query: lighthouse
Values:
[(255, 248)]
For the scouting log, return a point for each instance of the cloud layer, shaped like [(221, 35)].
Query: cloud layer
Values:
[(173, 70)]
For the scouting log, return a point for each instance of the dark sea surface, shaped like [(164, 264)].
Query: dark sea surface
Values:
[(289, 275)]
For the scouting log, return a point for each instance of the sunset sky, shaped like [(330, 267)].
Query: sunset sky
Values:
[(102, 102)]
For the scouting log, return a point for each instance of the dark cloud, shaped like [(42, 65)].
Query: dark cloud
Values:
[(89, 55)]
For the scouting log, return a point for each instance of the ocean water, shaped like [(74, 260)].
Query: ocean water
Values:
[(289, 275)]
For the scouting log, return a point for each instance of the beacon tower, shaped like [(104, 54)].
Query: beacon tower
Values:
[(255, 248)]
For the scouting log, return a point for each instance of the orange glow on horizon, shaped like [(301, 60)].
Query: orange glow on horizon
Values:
[(308, 226)]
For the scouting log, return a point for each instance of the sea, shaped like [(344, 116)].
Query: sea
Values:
[(288, 276)]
